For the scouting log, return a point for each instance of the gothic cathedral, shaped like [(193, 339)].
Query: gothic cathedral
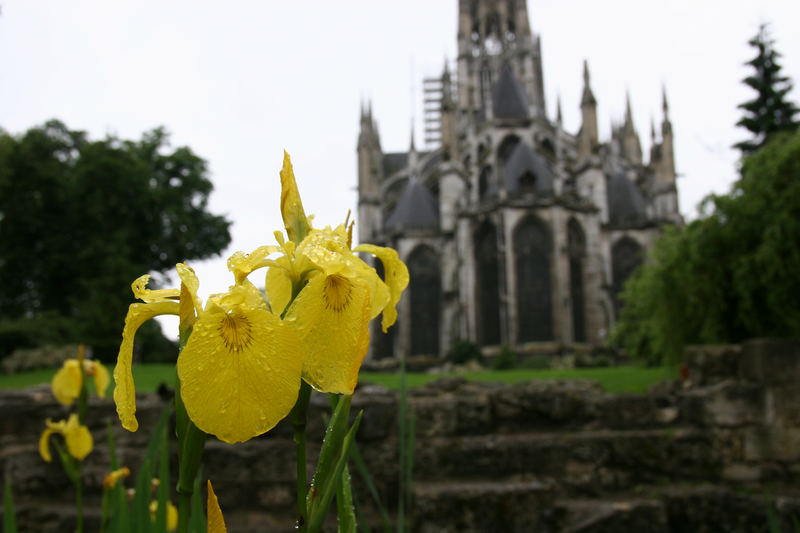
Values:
[(515, 231)]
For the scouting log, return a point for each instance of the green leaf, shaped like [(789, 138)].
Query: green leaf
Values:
[(67, 462), (345, 509), (325, 491), (197, 519), (363, 470), (9, 516), (329, 453)]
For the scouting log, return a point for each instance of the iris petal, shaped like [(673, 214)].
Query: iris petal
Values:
[(294, 216), (125, 392), (279, 289), (101, 379), (216, 522), (44, 445), (67, 382), (240, 370), (79, 442), (395, 276), (141, 292), (332, 319)]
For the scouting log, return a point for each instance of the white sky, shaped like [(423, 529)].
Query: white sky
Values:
[(240, 81)]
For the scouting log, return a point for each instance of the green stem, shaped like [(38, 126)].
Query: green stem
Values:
[(184, 511), (299, 417), (79, 501)]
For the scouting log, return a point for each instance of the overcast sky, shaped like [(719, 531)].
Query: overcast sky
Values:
[(240, 81)]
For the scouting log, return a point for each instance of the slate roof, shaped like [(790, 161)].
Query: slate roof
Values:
[(523, 160), (508, 96), (626, 205), (416, 209)]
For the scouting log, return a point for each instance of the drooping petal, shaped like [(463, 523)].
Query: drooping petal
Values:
[(44, 445), (125, 392), (101, 378), (79, 442), (141, 292), (67, 382), (331, 315), (216, 522), (240, 370), (395, 277), (294, 216)]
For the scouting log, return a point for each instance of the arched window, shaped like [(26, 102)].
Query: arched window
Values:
[(485, 186), (576, 249), (382, 343), (532, 251), (505, 148), (424, 294), (626, 256), (487, 285), (527, 183)]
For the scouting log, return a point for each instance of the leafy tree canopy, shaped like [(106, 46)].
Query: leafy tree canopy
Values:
[(732, 274), (770, 111), (81, 219)]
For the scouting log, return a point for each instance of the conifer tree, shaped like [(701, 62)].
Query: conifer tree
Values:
[(770, 111)]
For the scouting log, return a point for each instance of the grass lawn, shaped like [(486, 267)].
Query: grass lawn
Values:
[(633, 379)]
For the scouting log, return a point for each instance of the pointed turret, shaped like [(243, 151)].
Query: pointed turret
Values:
[(667, 153), (558, 110), (370, 174), (587, 138), (631, 146)]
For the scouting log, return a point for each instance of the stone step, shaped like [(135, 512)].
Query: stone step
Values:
[(483, 506), (702, 508), (588, 462)]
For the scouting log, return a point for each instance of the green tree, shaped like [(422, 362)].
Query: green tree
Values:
[(769, 112), (732, 274), (81, 219)]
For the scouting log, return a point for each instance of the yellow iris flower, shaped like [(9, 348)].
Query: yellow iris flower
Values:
[(172, 514), (240, 369), (68, 381), (110, 481), (79, 440), (336, 293)]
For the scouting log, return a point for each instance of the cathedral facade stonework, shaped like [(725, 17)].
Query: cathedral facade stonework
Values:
[(515, 231)]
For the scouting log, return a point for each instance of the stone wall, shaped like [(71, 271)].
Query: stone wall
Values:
[(712, 452)]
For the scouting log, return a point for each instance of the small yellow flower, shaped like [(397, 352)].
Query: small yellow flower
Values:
[(240, 369), (114, 476), (216, 522), (172, 514), (68, 381), (79, 440)]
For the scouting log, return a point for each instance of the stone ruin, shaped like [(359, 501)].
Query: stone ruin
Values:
[(716, 451)]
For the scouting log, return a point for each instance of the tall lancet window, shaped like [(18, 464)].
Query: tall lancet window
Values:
[(576, 248), (626, 256), (425, 294), (487, 285), (532, 251)]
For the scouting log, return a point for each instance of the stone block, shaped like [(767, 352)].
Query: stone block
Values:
[(725, 404), (777, 443), (546, 404), (627, 411), (711, 363), (613, 516), (770, 361), (508, 506)]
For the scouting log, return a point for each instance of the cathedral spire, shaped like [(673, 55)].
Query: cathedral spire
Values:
[(631, 146), (587, 137)]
